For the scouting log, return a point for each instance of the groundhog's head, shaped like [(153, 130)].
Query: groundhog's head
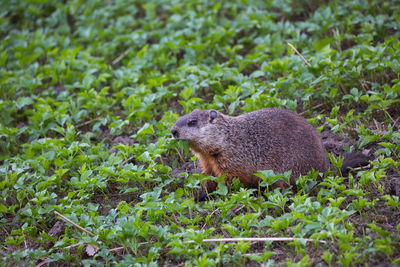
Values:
[(204, 129)]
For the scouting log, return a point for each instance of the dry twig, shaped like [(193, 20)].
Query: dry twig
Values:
[(300, 55), (79, 125), (127, 160), (363, 168), (120, 57), (314, 107), (74, 224), (44, 261), (211, 214)]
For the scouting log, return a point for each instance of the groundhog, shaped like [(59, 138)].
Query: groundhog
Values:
[(268, 139)]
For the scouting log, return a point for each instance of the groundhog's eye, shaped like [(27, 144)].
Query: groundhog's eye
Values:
[(192, 123)]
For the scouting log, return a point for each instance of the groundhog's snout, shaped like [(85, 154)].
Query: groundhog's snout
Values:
[(175, 132)]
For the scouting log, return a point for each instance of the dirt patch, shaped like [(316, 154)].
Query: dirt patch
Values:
[(334, 143), (111, 201), (394, 185), (188, 167), (57, 229), (124, 140), (114, 140)]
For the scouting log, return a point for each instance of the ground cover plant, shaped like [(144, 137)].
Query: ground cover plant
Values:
[(90, 89)]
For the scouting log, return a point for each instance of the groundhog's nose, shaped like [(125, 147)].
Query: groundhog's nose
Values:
[(175, 133)]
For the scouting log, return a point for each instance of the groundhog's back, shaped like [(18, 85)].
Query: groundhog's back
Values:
[(280, 140)]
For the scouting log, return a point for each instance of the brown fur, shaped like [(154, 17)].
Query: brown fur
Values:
[(275, 139)]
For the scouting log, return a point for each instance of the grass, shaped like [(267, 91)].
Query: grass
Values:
[(90, 89)]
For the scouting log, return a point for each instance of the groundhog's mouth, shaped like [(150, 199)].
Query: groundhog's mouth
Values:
[(183, 140), (194, 146), (180, 139)]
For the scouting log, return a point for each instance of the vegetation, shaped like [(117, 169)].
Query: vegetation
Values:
[(90, 90)]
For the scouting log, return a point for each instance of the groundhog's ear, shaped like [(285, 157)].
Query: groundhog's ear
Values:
[(213, 115)]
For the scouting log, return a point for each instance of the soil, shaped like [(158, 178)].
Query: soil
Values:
[(334, 143)]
